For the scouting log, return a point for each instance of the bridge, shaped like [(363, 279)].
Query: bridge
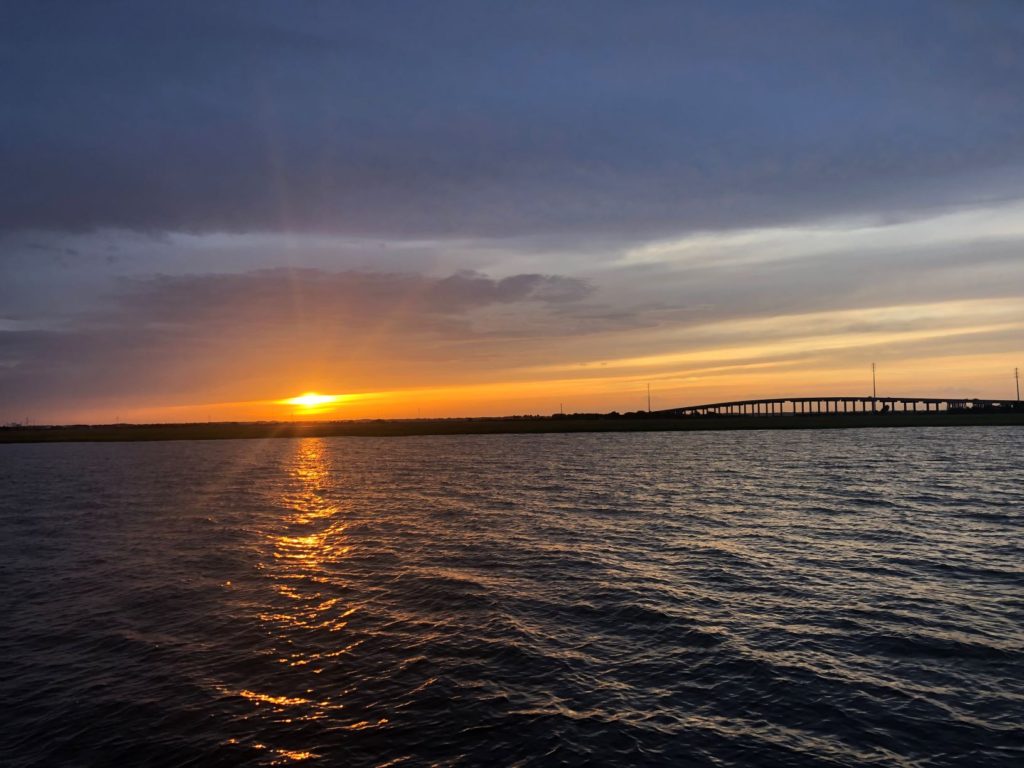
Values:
[(796, 406)]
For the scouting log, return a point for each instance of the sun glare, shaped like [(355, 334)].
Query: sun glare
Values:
[(311, 400)]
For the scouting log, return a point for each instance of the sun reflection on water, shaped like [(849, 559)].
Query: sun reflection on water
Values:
[(313, 540), (302, 551)]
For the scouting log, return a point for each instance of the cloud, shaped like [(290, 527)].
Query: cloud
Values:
[(526, 118), (284, 297), (171, 336), (168, 340), (199, 200)]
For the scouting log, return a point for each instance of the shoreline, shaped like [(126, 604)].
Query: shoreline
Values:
[(491, 426)]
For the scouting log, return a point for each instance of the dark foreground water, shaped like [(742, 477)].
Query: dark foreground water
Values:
[(761, 598)]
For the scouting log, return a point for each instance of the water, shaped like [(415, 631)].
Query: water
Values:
[(761, 598)]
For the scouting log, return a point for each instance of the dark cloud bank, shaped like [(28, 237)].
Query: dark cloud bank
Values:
[(501, 118)]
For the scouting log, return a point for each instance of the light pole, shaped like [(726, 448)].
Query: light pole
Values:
[(874, 390)]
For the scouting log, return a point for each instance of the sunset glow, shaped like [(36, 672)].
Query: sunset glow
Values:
[(549, 253), (312, 400)]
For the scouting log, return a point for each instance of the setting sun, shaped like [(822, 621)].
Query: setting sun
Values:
[(311, 400)]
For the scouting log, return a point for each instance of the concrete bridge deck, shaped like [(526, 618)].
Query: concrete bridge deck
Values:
[(790, 406)]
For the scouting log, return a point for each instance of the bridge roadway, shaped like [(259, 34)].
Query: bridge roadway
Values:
[(789, 406)]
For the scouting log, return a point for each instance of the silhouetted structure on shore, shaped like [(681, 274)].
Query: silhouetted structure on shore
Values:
[(838, 406)]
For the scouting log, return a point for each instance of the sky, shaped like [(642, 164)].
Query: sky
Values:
[(483, 208)]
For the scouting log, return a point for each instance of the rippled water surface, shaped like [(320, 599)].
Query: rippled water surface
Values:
[(760, 598)]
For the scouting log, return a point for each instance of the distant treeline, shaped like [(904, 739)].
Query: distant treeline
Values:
[(638, 421)]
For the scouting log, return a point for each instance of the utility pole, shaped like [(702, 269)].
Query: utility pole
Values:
[(648, 398), (874, 390), (1016, 376)]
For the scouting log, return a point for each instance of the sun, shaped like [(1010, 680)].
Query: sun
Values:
[(312, 400), (309, 403)]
